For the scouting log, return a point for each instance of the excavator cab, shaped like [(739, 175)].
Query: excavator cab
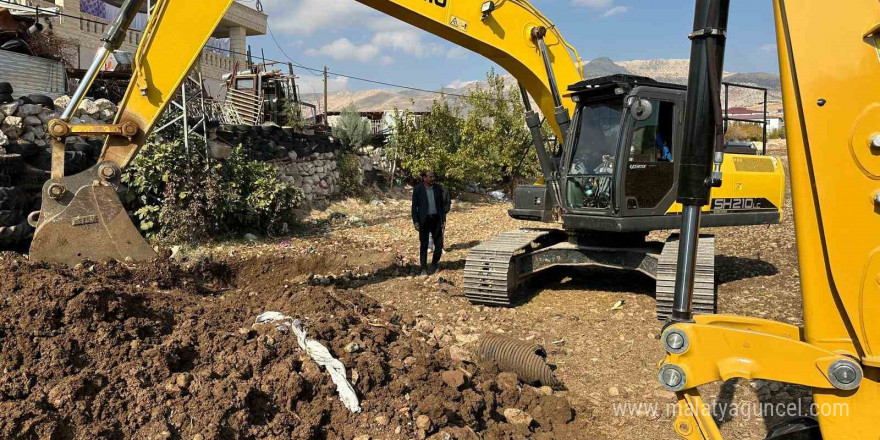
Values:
[(621, 157), (618, 170)]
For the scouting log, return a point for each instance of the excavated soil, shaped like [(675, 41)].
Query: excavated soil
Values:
[(155, 351)]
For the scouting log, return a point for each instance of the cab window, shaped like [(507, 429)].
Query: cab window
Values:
[(652, 138)]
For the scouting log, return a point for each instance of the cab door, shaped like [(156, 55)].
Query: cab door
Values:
[(650, 173)]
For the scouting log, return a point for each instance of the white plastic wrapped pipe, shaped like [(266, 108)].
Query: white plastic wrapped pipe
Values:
[(319, 354)]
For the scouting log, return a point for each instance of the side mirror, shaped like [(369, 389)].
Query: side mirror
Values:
[(641, 109)]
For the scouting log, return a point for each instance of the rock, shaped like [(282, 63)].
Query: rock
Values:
[(460, 354), (219, 150), (453, 378), (507, 381), (87, 119), (12, 126), (183, 380), (29, 137), (47, 116), (613, 391), (107, 115), (381, 420), (29, 110), (87, 107), (363, 437), (517, 417), (9, 109), (250, 237), (104, 104), (409, 361), (774, 386), (4, 140), (62, 101), (545, 390), (353, 347), (32, 120), (291, 155), (466, 338), (423, 422)]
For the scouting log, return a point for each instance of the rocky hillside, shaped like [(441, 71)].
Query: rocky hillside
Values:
[(666, 70)]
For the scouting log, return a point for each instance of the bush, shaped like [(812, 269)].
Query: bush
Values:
[(178, 198), (350, 175), (743, 131), (352, 129), (778, 133)]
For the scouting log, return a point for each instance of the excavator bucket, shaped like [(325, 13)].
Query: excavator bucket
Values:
[(82, 218)]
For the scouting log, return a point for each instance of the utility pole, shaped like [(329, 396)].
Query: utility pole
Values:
[(326, 114)]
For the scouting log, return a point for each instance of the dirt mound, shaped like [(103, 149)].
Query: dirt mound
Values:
[(110, 351)]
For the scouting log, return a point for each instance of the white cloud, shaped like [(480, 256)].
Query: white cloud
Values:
[(305, 17), (408, 41), (457, 84), (595, 4), (386, 60), (311, 84), (456, 53), (343, 49), (614, 11), (770, 47)]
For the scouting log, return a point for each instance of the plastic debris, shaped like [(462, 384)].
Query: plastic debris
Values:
[(318, 353), (618, 305), (499, 195)]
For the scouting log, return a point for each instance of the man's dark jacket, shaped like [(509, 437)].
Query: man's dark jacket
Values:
[(420, 203)]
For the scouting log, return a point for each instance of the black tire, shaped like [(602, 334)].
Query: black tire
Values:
[(24, 149), (13, 199), (11, 164), (24, 100), (76, 162), (6, 98), (32, 180), (6, 88), (5, 180), (13, 236), (43, 100), (11, 218)]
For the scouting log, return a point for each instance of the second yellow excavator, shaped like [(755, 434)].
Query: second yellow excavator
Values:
[(613, 180)]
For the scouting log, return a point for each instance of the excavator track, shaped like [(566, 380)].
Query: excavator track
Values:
[(705, 294), (490, 275)]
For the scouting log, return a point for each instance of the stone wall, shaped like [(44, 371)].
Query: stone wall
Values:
[(305, 161)]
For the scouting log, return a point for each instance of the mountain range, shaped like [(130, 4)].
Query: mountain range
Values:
[(664, 70)]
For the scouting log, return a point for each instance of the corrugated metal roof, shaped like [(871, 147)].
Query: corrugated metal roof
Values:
[(29, 74)]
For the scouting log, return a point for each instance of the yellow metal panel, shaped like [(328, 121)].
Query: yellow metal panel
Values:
[(170, 46), (503, 37), (825, 59), (748, 177)]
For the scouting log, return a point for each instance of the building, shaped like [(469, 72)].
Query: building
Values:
[(775, 119), (381, 122), (84, 21)]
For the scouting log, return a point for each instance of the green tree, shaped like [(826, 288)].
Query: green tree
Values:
[(292, 114), (495, 142), (352, 129), (428, 141)]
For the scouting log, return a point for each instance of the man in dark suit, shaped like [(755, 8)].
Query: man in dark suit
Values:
[(429, 208)]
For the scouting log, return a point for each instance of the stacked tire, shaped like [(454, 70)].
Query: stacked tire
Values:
[(17, 201)]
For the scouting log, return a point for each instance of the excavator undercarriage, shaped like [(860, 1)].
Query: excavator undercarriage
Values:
[(496, 270)]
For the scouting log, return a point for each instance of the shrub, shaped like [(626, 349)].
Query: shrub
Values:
[(743, 131), (778, 133), (350, 175), (352, 129), (178, 198)]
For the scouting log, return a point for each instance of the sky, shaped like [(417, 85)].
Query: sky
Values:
[(353, 39)]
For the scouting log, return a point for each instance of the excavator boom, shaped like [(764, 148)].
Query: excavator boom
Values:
[(82, 218)]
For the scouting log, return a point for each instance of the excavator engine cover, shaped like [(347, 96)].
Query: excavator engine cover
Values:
[(82, 218)]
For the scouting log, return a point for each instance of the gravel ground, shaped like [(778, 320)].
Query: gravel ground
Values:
[(366, 253)]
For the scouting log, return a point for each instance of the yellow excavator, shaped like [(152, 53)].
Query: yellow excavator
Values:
[(829, 61), (829, 56), (613, 180)]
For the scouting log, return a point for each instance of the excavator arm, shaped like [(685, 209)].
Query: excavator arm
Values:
[(82, 217), (178, 30)]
